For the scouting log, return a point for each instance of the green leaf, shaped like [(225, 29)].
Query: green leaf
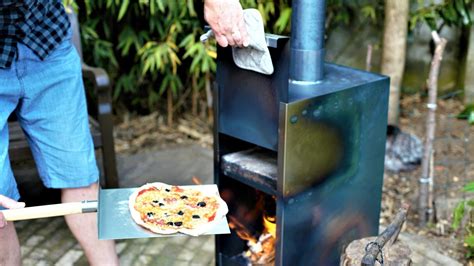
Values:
[(469, 240), (469, 187), (470, 203), (164, 85), (109, 3), (462, 9), (368, 11), (123, 9), (161, 5), (89, 32), (283, 21), (465, 113), (458, 215), (88, 7), (190, 5)]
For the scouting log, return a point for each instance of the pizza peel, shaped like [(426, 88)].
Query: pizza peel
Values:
[(113, 216), (115, 221)]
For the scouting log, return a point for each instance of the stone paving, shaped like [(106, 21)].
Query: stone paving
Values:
[(49, 242)]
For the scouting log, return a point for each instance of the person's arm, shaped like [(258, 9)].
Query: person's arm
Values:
[(9, 204), (227, 22)]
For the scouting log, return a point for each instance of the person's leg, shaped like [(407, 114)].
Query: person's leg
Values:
[(9, 95), (53, 113), (98, 252), (9, 246)]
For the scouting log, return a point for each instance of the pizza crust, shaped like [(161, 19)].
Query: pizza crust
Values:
[(221, 211)]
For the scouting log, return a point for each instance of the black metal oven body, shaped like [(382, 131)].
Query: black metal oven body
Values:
[(314, 143)]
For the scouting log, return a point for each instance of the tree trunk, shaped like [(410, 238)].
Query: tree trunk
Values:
[(394, 50), (195, 96), (469, 76), (426, 180), (170, 107), (210, 116)]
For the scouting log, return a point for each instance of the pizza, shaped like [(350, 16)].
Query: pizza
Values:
[(168, 209)]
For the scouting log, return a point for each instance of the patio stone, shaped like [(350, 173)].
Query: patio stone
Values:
[(70, 257)]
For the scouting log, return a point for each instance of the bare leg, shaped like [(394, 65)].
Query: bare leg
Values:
[(84, 228), (9, 246)]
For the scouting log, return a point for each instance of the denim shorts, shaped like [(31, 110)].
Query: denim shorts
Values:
[(49, 100)]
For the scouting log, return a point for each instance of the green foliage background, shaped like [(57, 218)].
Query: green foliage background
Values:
[(150, 47), (147, 47)]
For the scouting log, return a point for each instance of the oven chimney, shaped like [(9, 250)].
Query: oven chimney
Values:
[(307, 42)]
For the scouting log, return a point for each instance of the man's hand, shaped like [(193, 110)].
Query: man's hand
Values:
[(227, 22), (9, 204)]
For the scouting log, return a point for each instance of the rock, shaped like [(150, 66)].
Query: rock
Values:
[(425, 251)]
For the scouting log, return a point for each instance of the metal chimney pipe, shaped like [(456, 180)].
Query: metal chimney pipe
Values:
[(307, 41)]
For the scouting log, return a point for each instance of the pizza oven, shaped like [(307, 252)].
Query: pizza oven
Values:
[(298, 154)]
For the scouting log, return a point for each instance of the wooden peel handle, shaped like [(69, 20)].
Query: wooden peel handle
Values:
[(50, 210)]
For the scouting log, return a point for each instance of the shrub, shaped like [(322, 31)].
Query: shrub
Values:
[(465, 211), (151, 48)]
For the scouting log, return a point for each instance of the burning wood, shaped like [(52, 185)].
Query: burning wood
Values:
[(262, 250)]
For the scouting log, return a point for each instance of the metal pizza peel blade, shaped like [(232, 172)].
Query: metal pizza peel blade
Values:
[(115, 221)]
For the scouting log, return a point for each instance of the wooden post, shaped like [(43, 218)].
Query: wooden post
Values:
[(424, 211), (368, 60), (469, 78)]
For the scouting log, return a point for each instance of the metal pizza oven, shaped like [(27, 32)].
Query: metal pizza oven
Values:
[(310, 137)]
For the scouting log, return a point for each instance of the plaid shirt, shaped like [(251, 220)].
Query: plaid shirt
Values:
[(39, 24)]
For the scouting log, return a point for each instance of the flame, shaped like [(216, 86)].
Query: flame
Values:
[(241, 230), (196, 180), (269, 223), (246, 236), (261, 249)]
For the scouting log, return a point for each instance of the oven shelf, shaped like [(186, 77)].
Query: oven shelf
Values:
[(255, 167)]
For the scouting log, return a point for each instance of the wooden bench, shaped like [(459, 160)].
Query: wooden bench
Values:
[(101, 128)]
